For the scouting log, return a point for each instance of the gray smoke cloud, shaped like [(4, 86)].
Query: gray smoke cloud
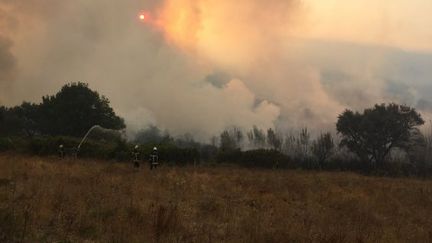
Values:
[(242, 70), (7, 68)]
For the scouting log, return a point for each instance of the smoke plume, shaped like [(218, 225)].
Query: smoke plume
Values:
[(199, 66)]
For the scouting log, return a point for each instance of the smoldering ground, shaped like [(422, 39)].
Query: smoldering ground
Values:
[(200, 66)]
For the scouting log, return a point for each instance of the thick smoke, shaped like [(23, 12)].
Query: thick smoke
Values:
[(7, 67), (197, 66), (7, 59)]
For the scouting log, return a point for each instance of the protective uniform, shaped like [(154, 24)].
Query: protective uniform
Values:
[(135, 155), (61, 151), (154, 158)]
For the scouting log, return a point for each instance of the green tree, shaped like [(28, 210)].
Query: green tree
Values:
[(375, 132), (19, 120), (75, 109), (323, 147)]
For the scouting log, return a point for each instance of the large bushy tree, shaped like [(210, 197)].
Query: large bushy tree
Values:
[(71, 112), (75, 109), (375, 132)]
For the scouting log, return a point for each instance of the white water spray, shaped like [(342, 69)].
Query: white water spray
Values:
[(88, 133), (114, 133)]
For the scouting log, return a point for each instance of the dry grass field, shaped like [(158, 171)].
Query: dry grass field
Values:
[(51, 200)]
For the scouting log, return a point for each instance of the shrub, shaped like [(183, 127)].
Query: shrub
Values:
[(260, 158), (264, 158), (6, 144)]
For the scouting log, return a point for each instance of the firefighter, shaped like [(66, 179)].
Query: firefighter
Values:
[(135, 156), (154, 158), (61, 151)]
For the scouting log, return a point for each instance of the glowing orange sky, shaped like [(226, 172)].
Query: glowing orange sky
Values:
[(252, 50), (397, 23)]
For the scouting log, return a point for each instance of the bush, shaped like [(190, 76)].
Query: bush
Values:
[(263, 158), (260, 158), (46, 145), (229, 156), (6, 144)]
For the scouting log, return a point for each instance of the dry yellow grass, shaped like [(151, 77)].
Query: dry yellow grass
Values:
[(51, 200)]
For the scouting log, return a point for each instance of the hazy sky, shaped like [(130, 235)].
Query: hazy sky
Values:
[(200, 66), (398, 23)]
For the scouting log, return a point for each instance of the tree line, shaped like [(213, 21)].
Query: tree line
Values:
[(384, 138)]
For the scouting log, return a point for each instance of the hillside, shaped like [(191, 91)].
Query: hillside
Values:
[(47, 200)]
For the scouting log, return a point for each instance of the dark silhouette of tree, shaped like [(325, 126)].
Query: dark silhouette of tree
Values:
[(274, 140), (238, 136), (19, 120), (186, 141), (257, 137), (231, 139), (153, 135), (2, 113), (8, 122), (303, 144), (75, 109), (375, 132), (227, 142), (28, 114), (323, 147), (418, 151)]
